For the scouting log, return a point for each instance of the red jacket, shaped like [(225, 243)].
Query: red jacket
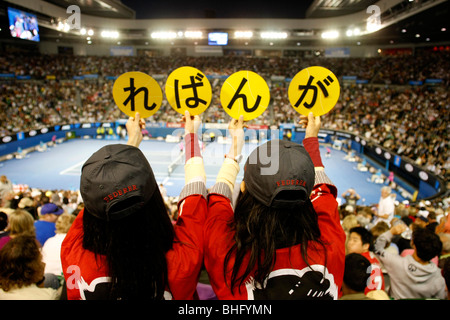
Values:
[(291, 278), (376, 280), (87, 277)]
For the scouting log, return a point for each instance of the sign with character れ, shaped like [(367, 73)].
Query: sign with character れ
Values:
[(314, 89), (137, 92)]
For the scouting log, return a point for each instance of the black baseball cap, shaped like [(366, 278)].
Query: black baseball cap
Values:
[(116, 181), (279, 174)]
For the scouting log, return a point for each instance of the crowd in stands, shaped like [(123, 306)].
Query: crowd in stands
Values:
[(379, 70), (409, 120), (425, 220)]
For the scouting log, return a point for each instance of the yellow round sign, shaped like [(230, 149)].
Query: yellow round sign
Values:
[(137, 92), (187, 88), (245, 93), (314, 89)]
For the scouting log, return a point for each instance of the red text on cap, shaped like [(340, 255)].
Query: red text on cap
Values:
[(119, 192), (291, 182)]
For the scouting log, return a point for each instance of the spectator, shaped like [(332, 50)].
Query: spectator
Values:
[(364, 217), (22, 271), (20, 222), (351, 197), (350, 221), (27, 204), (445, 253), (403, 241), (279, 243), (45, 226), (432, 222), (386, 206), (7, 204), (420, 222), (413, 276), (122, 244), (377, 230), (356, 276), (163, 190), (3, 224), (5, 187), (446, 275), (410, 250), (51, 251), (377, 177), (361, 241)]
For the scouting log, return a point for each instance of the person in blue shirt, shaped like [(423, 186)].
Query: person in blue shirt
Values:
[(45, 226)]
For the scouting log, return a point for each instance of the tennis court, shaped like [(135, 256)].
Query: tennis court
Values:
[(60, 167)]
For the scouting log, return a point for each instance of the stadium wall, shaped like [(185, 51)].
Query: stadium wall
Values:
[(104, 49)]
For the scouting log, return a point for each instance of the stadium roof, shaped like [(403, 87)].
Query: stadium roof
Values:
[(304, 23), (139, 9)]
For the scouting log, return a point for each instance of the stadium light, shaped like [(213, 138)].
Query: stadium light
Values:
[(163, 35), (193, 34), (373, 26), (63, 26), (110, 34), (352, 32), (274, 35), (331, 34), (243, 34)]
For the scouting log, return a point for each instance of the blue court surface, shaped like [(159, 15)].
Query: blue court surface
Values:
[(60, 167)]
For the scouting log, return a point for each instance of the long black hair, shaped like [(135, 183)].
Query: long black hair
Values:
[(135, 249), (260, 230)]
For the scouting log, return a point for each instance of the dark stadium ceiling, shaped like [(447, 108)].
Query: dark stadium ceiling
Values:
[(140, 9), (100, 8), (428, 26)]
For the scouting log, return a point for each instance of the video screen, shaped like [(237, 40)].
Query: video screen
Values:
[(217, 38), (23, 25)]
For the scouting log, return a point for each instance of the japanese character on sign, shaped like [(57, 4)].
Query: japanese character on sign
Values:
[(188, 89), (191, 102), (314, 89), (137, 92), (328, 80), (239, 95), (134, 92), (245, 93)]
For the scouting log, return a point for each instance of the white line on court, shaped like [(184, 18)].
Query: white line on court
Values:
[(72, 170)]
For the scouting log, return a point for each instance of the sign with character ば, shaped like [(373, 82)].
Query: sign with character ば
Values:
[(137, 92), (314, 89), (187, 88)]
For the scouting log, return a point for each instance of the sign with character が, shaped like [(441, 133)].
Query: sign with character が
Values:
[(314, 89)]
